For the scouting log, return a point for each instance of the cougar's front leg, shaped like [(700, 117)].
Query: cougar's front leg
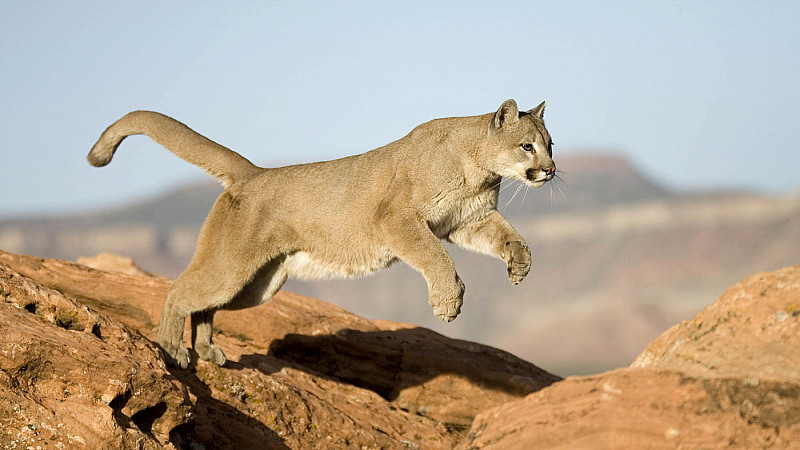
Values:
[(414, 243), (517, 256), (493, 235)]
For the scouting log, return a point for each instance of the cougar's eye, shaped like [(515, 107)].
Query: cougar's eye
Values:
[(527, 147)]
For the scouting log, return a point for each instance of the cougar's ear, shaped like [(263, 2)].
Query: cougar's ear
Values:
[(507, 114), (539, 110)]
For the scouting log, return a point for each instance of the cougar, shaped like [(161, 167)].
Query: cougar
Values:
[(346, 217)]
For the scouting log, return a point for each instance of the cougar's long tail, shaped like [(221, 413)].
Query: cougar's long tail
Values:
[(222, 163)]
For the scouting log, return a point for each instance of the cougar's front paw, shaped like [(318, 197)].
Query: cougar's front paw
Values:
[(518, 257), (175, 356), (211, 353), (448, 310), (448, 307)]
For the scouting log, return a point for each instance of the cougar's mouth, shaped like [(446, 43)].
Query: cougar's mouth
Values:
[(539, 180), (537, 183)]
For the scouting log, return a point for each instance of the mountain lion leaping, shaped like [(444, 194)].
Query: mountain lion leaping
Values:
[(346, 217)]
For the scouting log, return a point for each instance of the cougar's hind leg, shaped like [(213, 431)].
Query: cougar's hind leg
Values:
[(202, 331), (223, 266), (205, 286), (263, 285), (170, 330)]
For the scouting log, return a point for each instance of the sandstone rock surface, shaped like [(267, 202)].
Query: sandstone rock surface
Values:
[(753, 330), (72, 378), (78, 370), (728, 378), (109, 262)]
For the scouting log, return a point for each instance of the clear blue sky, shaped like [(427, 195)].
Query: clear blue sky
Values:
[(699, 94)]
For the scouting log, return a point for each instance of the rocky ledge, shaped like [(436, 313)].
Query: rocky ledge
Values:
[(730, 377), (78, 369)]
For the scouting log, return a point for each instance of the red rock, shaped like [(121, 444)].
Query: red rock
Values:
[(730, 377), (110, 262), (753, 330), (71, 378), (301, 373)]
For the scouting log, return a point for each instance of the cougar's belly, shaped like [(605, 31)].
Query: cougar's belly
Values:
[(308, 266)]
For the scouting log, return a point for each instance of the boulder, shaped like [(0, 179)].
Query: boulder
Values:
[(300, 373), (729, 377), (73, 378)]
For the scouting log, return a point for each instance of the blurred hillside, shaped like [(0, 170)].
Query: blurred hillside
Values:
[(617, 259)]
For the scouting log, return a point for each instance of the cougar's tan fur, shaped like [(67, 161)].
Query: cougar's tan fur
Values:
[(346, 217)]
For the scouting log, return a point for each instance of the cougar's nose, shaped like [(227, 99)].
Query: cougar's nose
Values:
[(549, 171)]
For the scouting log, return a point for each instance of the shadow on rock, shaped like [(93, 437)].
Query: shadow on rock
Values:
[(391, 361), (217, 424)]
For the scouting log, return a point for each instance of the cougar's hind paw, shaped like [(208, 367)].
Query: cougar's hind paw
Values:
[(175, 356), (211, 353)]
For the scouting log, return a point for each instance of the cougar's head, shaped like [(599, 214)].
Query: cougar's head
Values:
[(519, 146)]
